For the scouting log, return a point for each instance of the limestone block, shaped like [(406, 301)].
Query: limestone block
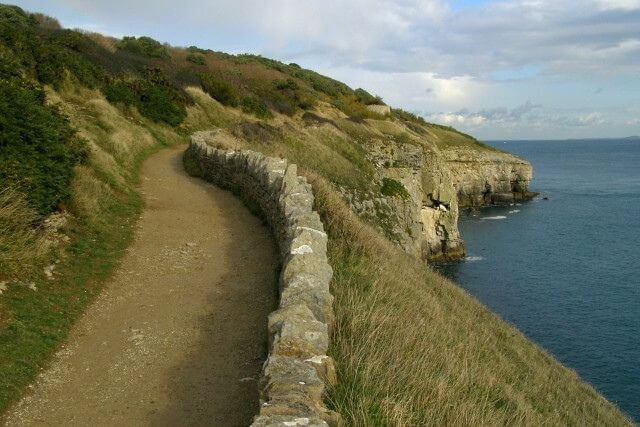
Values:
[(287, 421), (296, 332), (311, 291), (310, 263)]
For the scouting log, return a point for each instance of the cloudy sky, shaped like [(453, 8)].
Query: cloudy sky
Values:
[(494, 68)]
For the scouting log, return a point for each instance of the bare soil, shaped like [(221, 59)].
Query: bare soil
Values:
[(178, 335)]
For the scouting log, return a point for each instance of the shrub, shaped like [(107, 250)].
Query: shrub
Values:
[(288, 84), (392, 188), (356, 110), (47, 22), (37, 155), (196, 59), (219, 89), (407, 116), (119, 92), (157, 103), (366, 98), (256, 107), (145, 46), (153, 95)]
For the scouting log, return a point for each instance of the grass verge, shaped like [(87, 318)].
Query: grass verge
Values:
[(36, 312)]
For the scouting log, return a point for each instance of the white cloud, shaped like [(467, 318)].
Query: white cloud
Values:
[(421, 55), (619, 4)]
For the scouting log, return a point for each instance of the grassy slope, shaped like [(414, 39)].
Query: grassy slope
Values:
[(103, 213), (415, 349), (411, 348)]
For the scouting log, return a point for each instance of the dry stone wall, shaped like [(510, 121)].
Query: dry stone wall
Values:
[(297, 369)]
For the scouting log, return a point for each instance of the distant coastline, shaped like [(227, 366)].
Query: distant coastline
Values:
[(632, 138)]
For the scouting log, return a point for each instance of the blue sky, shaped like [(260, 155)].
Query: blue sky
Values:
[(493, 68)]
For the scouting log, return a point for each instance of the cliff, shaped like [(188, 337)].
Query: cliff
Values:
[(407, 178), (409, 348), (489, 177)]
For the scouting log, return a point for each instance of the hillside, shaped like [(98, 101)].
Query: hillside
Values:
[(81, 111)]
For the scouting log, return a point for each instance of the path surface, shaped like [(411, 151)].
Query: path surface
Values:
[(178, 335)]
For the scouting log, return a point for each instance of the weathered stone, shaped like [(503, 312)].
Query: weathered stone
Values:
[(309, 263), (325, 368), (298, 368), (316, 241), (288, 376), (296, 332), (312, 291), (287, 421)]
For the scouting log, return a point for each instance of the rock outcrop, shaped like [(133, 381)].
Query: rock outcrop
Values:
[(297, 369), (423, 218), (488, 177)]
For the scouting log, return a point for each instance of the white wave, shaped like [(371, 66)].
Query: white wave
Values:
[(514, 211), (473, 258), (494, 217)]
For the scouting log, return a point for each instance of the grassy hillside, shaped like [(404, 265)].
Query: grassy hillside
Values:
[(81, 111)]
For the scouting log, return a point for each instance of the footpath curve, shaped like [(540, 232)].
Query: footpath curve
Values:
[(298, 368), (178, 336)]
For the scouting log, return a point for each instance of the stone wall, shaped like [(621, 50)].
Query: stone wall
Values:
[(297, 369)]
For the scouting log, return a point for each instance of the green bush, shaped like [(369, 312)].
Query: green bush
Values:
[(219, 89), (145, 46), (407, 116), (366, 98), (38, 148), (154, 97), (119, 92), (158, 99), (288, 84), (391, 187), (196, 59), (256, 107), (157, 103)]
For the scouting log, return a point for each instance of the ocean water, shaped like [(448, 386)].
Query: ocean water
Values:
[(566, 271)]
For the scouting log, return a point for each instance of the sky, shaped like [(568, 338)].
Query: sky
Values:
[(497, 69)]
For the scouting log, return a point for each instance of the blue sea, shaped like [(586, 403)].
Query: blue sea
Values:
[(566, 271)]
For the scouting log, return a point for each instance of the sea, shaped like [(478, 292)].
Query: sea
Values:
[(565, 267)]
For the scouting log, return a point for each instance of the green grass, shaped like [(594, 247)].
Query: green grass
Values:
[(412, 348), (36, 321), (391, 187)]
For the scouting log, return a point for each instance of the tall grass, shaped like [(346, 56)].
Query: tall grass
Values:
[(102, 212), (21, 243), (412, 348)]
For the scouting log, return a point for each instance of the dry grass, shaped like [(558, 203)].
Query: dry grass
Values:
[(414, 349), (36, 312), (21, 244), (411, 347)]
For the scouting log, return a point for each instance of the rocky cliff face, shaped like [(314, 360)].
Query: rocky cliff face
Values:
[(418, 207), (484, 178), (406, 178), (423, 218)]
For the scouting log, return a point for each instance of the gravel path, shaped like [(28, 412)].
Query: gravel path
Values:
[(178, 335)]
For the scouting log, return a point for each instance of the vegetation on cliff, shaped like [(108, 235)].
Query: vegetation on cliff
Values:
[(411, 349)]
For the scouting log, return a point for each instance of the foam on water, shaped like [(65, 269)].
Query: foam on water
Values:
[(514, 211), (494, 217), (473, 258)]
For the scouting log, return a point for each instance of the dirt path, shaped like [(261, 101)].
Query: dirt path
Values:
[(178, 335)]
